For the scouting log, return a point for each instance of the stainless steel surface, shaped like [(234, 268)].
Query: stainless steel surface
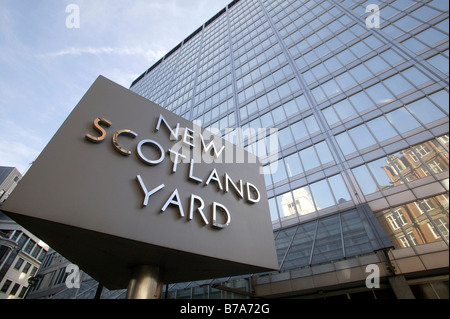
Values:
[(145, 283)]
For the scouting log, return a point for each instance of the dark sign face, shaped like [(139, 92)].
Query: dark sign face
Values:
[(125, 182)]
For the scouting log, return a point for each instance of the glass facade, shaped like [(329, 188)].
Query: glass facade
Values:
[(359, 115)]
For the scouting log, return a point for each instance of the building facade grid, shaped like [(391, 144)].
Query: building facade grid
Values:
[(361, 115)]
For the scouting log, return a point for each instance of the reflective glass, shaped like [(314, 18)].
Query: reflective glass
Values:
[(362, 137), (365, 180), (344, 109), (407, 163), (397, 84), (303, 200), (441, 99), (415, 76), (330, 115), (322, 194), (299, 130), (285, 137), (345, 143), (282, 241), (293, 165), (381, 128), (311, 124), (402, 120), (385, 174), (360, 73), (361, 101), (324, 153), (300, 251), (309, 158), (356, 241), (431, 36), (273, 210), (379, 94), (328, 245), (339, 189), (376, 64), (278, 171), (285, 206), (425, 111)]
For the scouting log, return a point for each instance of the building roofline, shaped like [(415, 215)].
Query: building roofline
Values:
[(203, 26)]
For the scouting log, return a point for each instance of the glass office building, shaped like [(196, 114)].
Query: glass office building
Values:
[(350, 121), (361, 112)]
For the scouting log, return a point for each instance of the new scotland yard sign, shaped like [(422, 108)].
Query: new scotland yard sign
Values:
[(124, 182)]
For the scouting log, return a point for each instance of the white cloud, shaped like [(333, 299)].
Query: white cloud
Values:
[(149, 54)]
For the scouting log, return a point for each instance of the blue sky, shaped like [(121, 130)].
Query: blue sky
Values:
[(45, 67)]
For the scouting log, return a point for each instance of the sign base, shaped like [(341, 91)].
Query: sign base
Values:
[(145, 283)]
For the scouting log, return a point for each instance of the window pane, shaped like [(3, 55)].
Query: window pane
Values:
[(328, 245), (345, 143), (303, 200), (415, 76), (379, 94), (299, 130), (339, 189), (322, 194), (383, 172), (278, 171), (293, 165), (309, 158), (273, 210), (365, 180), (398, 84), (356, 241), (441, 99), (285, 137), (425, 111), (300, 251), (344, 109), (362, 137), (330, 115), (361, 101), (402, 120), (285, 206), (381, 128), (324, 153)]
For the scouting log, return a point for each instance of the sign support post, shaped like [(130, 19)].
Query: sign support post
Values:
[(145, 283)]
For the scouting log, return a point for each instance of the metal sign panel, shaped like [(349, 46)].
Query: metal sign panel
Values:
[(125, 182)]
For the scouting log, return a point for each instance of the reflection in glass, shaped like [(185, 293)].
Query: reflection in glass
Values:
[(309, 158), (365, 181), (303, 200), (402, 120), (339, 189), (286, 207), (273, 210), (362, 137), (282, 241), (356, 241), (381, 128), (322, 194), (300, 251), (425, 111), (324, 152), (345, 143), (293, 165), (416, 223), (328, 245), (383, 173)]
